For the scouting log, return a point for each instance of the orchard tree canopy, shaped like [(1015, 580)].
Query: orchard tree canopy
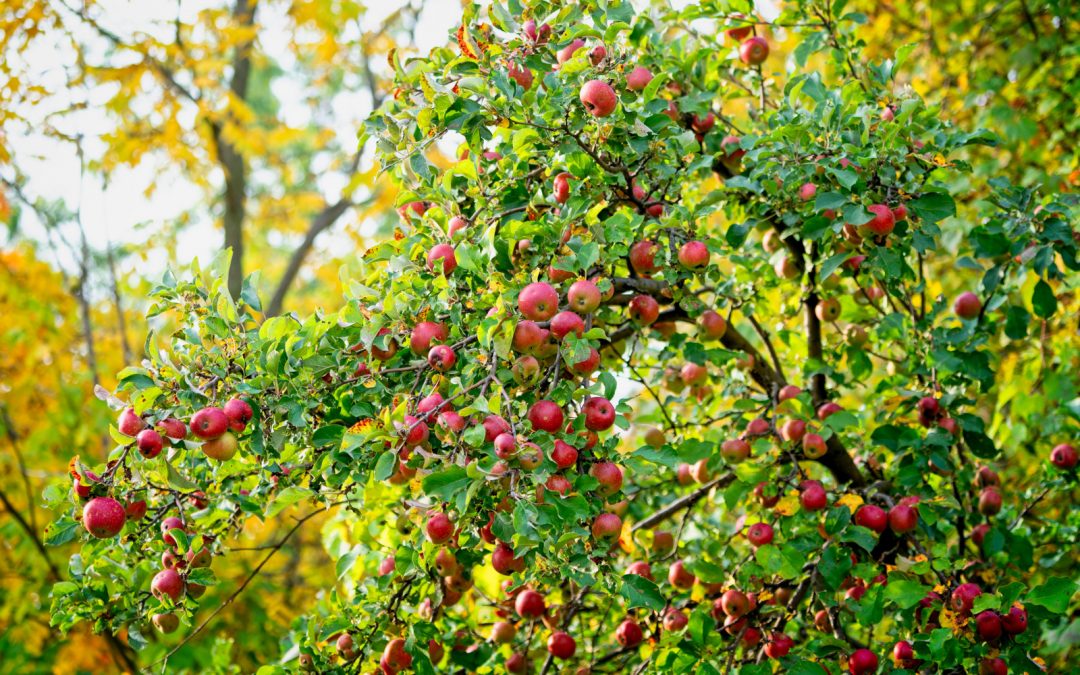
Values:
[(701, 356)]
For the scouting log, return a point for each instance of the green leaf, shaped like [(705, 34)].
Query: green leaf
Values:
[(1053, 595), (1043, 301), (384, 468), (905, 593), (177, 481), (933, 206), (204, 576), (640, 592), (446, 483), (980, 444), (286, 498), (830, 200), (60, 531), (345, 563), (328, 434)]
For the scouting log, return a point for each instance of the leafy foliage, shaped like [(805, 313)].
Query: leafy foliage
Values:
[(828, 294)]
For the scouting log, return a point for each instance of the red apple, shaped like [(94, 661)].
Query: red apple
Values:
[(967, 305), (643, 257), (538, 301), (1064, 457), (694, 254), (546, 416), (222, 448), (529, 604), (862, 662), (872, 517), (444, 253), (566, 322), (638, 78), (753, 51), (644, 310), (598, 98), (424, 333), (561, 645), (583, 297), (629, 634), (439, 528), (149, 443), (883, 221), (209, 423), (680, 577), (130, 424), (103, 517), (167, 582)]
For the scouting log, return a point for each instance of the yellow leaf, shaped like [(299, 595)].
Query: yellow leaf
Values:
[(788, 505), (850, 500)]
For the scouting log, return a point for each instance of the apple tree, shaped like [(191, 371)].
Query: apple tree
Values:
[(698, 355)]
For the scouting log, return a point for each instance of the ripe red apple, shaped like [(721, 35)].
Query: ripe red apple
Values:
[(883, 221), (1064, 457), (813, 498), (209, 423), (504, 561), (753, 51), (638, 78), (439, 528), (814, 446), (713, 325), (778, 646), (629, 634), (222, 448), (456, 224), (644, 310), (130, 424), (346, 647), (103, 517), (561, 188), (567, 52), (963, 598), (734, 603), (786, 268), (1015, 621), (680, 577), (598, 98), (735, 450), (903, 518), (900, 213), (872, 517), (546, 416), (149, 443), (415, 432), (989, 501), (520, 74), (828, 310), (607, 526), (740, 28), (967, 305), (445, 253), (788, 391), (134, 510), (441, 358), (503, 632), (807, 191), (610, 477), (862, 662), (988, 625), (169, 524), (387, 353), (394, 658), (561, 645), (599, 413), (692, 373), (694, 254), (675, 620), (529, 604), (640, 568), (826, 410), (643, 257), (566, 322), (564, 455), (239, 413), (663, 541), (587, 365), (527, 336), (173, 428), (731, 145), (505, 446), (583, 296), (425, 333), (766, 494), (993, 666), (538, 301), (167, 582), (165, 623), (406, 211), (516, 663), (903, 655), (793, 430), (703, 125)]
